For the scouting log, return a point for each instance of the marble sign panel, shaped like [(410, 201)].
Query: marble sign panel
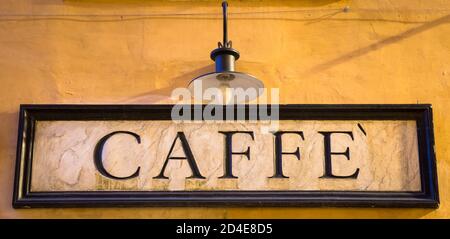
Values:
[(355, 155), (385, 153)]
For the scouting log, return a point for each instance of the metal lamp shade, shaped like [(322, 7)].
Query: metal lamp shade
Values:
[(231, 80)]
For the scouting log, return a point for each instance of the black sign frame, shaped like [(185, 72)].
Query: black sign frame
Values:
[(428, 197)]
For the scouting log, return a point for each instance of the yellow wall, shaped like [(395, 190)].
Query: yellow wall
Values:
[(111, 51)]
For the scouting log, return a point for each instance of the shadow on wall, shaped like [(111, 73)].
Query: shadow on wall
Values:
[(183, 80), (249, 3), (380, 44), (8, 144), (8, 133), (337, 213), (163, 94)]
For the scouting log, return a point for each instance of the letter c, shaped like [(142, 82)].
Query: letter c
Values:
[(98, 159)]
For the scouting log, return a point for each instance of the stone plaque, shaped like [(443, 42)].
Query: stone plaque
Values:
[(323, 155)]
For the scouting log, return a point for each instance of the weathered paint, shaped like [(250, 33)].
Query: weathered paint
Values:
[(110, 51)]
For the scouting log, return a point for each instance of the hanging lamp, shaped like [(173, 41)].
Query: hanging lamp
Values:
[(225, 78)]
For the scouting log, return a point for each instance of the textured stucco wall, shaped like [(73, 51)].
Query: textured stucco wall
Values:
[(111, 51)]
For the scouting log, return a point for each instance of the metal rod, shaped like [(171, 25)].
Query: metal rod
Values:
[(225, 19)]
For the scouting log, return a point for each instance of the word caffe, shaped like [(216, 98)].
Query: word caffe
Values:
[(229, 152), (312, 155)]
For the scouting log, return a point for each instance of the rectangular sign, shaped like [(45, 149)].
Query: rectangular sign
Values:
[(312, 155)]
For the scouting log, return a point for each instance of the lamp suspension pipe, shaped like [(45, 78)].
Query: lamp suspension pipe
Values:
[(225, 23), (225, 56)]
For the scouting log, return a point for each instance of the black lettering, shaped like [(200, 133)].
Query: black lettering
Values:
[(189, 157), (229, 151), (279, 152), (98, 158), (327, 150)]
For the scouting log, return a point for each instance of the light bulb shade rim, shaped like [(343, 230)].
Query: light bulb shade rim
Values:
[(225, 72), (241, 81)]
